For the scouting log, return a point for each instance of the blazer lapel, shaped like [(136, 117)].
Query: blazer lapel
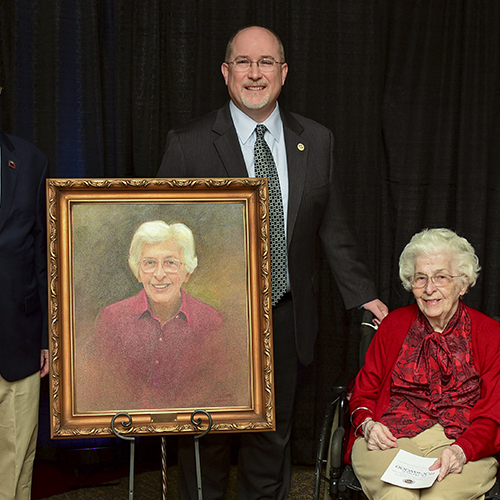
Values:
[(296, 153), (10, 169), (228, 144), (228, 147)]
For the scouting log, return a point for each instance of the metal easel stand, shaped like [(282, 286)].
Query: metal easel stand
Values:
[(164, 468), (197, 423), (126, 424)]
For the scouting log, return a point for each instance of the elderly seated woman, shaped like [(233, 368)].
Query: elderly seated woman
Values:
[(430, 384)]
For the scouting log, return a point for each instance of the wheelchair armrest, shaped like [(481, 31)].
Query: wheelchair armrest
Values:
[(337, 447)]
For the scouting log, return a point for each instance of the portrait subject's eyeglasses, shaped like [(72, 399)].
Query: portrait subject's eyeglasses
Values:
[(439, 279), (168, 265), (266, 64)]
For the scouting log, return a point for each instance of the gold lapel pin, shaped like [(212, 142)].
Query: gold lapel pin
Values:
[(300, 146), (12, 164)]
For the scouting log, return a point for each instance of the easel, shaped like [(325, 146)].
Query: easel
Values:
[(197, 422)]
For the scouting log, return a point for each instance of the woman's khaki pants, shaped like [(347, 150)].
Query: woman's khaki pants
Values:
[(472, 483)]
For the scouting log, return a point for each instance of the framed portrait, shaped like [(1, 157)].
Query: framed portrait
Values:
[(159, 305)]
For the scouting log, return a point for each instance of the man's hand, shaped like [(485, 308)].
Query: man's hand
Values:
[(44, 363), (378, 436), (378, 308), (451, 461)]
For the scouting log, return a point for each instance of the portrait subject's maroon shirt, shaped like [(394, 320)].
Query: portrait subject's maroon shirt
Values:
[(146, 365)]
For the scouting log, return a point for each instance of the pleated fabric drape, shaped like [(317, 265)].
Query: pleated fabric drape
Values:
[(410, 88)]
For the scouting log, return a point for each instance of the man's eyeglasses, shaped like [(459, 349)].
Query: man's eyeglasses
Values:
[(266, 64), (168, 265), (439, 279)]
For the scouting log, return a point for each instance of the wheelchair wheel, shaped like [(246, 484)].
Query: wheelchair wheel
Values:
[(322, 471), (334, 480)]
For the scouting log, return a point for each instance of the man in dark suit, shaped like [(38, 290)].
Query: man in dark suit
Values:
[(221, 144), (23, 310)]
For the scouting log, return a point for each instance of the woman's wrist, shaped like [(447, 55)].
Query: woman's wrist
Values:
[(363, 409), (362, 426)]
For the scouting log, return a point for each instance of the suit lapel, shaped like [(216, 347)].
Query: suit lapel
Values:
[(10, 173), (296, 153), (228, 144), (228, 147)]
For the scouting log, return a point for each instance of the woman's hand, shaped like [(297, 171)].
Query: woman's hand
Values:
[(378, 436), (451, 461)]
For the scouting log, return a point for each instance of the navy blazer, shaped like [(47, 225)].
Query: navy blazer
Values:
[(208, 147), (23, 258)]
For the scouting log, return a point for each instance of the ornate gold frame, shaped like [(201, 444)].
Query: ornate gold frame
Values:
[(137, 195)]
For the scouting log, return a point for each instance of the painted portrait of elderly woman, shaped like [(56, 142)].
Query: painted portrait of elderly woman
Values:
[(161, 348)]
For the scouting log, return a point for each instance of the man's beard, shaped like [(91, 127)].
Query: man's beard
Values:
[(255, 105)]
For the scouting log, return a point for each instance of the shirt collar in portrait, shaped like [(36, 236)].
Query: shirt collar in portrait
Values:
[(143, 308)]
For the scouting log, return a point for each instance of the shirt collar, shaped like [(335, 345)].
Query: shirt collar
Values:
[(245, 125), (144, 309)]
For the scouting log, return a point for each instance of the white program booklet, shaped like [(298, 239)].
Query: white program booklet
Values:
[(410, 471)]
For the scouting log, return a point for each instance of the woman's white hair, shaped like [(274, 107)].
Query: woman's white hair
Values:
[(439, 241), (159, 231)]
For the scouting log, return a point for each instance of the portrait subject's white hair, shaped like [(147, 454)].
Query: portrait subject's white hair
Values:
[(159, 231), (435, 242)]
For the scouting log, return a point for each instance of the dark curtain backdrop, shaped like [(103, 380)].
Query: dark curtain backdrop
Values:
[(410, 89)]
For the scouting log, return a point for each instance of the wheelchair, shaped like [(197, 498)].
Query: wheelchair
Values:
[(333, 479)]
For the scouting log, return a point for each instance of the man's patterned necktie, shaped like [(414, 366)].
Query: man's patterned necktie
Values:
[(265, 167)]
